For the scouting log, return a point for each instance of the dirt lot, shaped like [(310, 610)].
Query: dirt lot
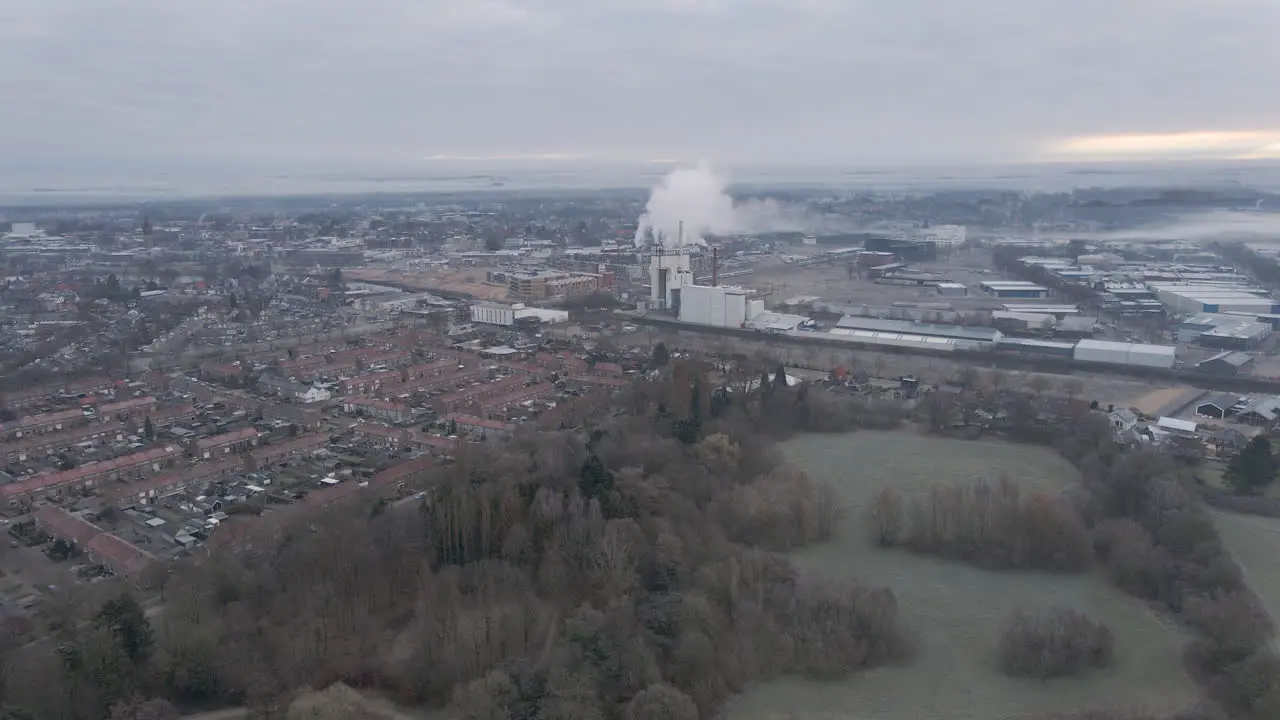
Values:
[(468, 281), (833, 284)]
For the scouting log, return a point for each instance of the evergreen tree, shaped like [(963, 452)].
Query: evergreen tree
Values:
[(595, 480), (780, 377), (124, 617), (661, 356), (1253, 469)]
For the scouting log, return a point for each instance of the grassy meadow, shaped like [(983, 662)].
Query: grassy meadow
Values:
[(955, 610), (1253, 541)]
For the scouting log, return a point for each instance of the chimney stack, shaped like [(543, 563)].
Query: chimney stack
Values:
[(715, 267)]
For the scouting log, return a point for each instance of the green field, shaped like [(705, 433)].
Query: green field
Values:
[(955, 610), (1253, 541)]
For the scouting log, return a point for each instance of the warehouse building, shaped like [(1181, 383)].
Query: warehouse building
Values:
[(1227, 332), (1228, 362), (872, 337), (1032, 347), (1014, 289), (1196, 299), (1118, 353), (962, 337)]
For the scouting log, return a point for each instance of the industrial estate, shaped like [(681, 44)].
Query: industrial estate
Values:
[(465, 451)]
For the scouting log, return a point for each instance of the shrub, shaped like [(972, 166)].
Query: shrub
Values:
[(994, 527), (1060, 642)]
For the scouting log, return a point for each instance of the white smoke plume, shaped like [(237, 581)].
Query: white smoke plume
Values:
[(1208, 227), (697, 197)]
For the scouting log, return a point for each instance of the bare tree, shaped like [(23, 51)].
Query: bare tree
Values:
[(885, 517)]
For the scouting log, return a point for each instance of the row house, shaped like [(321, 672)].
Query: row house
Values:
[(62, 525), (121, 557), (55, 443), (196, 476), (480, 428), (523, 368), (113, 552), (220, 372), (42, 423), (91, 475), (283, 452), (391, 438), (458, 399), (409, 474), (504, 403), (370, 382), (408, 379), (379, 435), (379, 409), (225, 444), (165, 417), (607, 369), (124, 409), (588, 383)]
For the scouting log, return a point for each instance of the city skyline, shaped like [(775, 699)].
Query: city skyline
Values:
[(140, 86)]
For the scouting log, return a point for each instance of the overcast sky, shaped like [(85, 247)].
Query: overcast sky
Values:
[(341, 83)]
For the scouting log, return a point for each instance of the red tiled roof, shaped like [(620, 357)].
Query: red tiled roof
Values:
[(62, 524), (64, 437), (123, 557), (473, 421), (182, 478), (42, 420), (127, 405), (51, 481), (227, 438)]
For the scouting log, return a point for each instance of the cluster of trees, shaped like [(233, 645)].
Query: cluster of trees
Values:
[(995, 527), (626, 571), (1059, 642), (1157, 542), (1253, 468)]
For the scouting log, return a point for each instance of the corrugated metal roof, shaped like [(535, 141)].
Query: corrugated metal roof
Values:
[(913, 328)]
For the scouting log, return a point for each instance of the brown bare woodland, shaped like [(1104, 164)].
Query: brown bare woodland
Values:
[(1158, 543), (622, 571), (1056, 643), (994, 527)]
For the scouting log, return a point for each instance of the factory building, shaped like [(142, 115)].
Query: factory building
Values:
[(669, 271), (951, 289), (1014, 289), (1226, 332), (1118, 353), (721, 306), (1195, 299)]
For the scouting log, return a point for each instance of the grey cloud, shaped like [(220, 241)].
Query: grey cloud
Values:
[(388, 82)]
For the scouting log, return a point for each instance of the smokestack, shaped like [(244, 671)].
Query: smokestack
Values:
[(680, 238), (715, 267)]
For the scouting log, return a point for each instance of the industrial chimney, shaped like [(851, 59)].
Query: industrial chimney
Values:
[(715, 267)]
